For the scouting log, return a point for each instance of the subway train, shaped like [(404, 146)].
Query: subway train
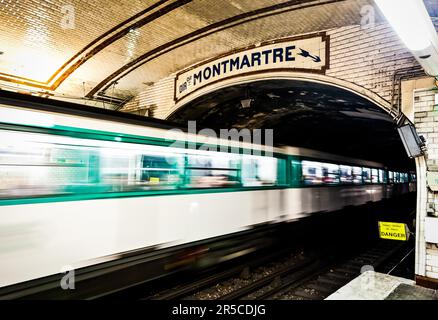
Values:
[(82, 187)]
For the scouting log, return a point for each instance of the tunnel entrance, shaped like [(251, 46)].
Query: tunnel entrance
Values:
[(303, 114)]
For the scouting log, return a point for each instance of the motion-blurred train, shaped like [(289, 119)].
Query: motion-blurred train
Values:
[(83, 187)]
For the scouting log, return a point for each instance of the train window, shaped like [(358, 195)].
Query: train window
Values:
[(212, 170), (330, 173), (391, 176), (31, 167), (346, 174), (382, 176), (374, 175), (43, 165), (114, 171), (357, 175), (260, 171), (366, 174), (159, 170), (397, 177), (138, 168), (312, 172), (413, 177)]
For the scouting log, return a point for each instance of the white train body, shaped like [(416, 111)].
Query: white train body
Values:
[(41, 236)]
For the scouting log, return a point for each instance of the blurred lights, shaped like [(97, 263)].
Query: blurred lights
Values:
[(246, 103)]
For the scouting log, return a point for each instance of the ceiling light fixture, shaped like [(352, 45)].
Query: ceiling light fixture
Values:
[(410, 20), (412, 23), (246, 103)]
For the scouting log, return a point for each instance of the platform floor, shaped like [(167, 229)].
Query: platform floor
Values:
[(372, 285)]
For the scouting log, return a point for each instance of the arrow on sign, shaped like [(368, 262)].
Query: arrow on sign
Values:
[(306, 54)]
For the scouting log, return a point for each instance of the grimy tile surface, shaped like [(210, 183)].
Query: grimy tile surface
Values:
[(369, 285), (410, 292)]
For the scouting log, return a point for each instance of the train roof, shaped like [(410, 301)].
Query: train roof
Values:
[(309, 153), (76, 109)]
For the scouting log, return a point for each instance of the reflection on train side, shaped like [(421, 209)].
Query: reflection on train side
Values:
[(317, 173), (37, 164), (33, 164)]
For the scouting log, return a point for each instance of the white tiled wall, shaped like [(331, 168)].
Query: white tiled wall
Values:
[(426, 122), (365, 57)]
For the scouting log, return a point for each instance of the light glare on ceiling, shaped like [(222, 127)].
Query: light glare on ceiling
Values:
[(410, 20)]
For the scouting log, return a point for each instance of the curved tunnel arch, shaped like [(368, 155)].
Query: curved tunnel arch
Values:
[(342, 110), (273, 75), (419, 165)]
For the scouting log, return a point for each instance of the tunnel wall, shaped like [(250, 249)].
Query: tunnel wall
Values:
[(426, 121), (366, 58), (365, 61)]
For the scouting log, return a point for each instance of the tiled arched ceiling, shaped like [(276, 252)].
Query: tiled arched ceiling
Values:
[(98, 48)]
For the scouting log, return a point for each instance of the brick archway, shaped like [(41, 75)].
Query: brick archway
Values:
[(330, 81)]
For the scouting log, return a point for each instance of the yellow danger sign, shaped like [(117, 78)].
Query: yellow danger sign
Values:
[(393, 231), (154, 180)]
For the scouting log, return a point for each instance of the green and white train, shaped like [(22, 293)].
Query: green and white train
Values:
[(81, 187)]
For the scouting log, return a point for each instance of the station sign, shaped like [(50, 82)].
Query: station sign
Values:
[(393, 231), (308, 53)]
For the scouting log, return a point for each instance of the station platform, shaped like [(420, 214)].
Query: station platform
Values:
[(372, 285)]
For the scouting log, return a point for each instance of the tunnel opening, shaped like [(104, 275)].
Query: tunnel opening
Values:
[(318, 116), (303, 114)]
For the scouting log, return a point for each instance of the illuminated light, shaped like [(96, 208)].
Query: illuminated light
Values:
[(246, 103), (131, 45), (118, 139), (25, 117), (40, 59), (410, 20), (236, 254)]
